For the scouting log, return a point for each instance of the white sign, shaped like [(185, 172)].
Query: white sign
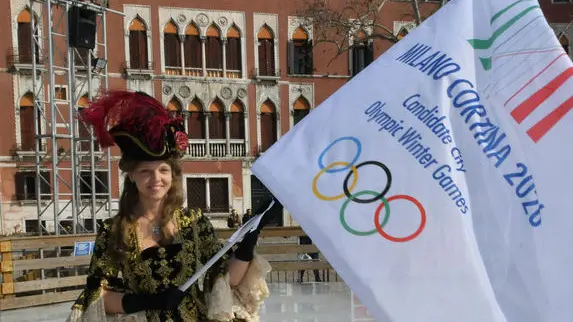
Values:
[(436, 182)]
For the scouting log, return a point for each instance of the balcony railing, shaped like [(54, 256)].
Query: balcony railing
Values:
[(216, 148), (233, 74), (170, 70), (194, 71), (14, 59), (214, 72)]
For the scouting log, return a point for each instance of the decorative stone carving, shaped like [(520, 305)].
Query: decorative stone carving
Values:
[(184, 91), (167, 89), (202, 20), (226, 93), (181, 18), (223, 21), (295, 22), (242, 93)]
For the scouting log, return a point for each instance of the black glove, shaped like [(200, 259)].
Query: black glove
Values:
[(246, 248), (167, 300)]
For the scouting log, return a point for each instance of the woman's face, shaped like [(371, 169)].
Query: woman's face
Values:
[(153, 179)]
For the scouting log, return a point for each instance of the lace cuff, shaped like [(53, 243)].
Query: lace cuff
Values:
[(242, 301), (95, 312)]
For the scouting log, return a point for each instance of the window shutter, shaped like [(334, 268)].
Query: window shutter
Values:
[(219, 194), (25, 42), (369, 55), (262, 58), (291, 58), (270, 57), (134, 50), (268, 130), (217, 126), (192, 48), (309, 59), (237, 125), (197, 193), (196, 125), (143, 54), (27, 135)]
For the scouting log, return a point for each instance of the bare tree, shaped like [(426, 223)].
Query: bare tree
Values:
[(354, 20)]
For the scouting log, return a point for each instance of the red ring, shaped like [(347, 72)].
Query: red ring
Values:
[(400, 239)]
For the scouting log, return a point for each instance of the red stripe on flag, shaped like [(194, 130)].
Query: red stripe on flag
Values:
[(534, 77), (533, 102), (537, 131)]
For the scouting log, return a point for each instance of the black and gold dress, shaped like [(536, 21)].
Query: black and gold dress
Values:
[(157, 268)]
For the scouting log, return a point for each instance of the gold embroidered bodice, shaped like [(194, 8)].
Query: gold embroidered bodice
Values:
[(157, 268)]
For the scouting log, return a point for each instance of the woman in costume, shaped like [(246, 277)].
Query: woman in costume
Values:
[(153, 245)]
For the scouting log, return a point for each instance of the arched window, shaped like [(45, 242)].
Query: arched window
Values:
[(214, 52), (172, 49), (301, 108), (233, 53), (266, 50), (268, 125), (217, 121), (25, 38), (362, 52), (196, 120), (237, 121), (174, 107), (27, 123), (193, 51), (138, 58), (300, 53)]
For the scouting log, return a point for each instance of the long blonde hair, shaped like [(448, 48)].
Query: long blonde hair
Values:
[(121, 239)]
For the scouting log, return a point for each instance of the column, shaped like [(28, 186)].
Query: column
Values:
[(228, 132), (207, 147), (246, 136), (224, 57), (259, 140), (203, 56), (182, 42)]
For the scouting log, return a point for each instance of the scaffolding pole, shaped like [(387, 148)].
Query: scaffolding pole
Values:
[(76, 191)]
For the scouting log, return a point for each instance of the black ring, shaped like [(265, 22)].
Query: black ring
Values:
[(379, 196)]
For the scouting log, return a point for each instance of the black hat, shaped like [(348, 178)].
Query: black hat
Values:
[(143, 129)]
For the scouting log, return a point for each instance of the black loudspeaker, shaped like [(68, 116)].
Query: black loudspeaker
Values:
[(81, 27)]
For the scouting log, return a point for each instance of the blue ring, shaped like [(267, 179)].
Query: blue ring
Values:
[(349, 138)]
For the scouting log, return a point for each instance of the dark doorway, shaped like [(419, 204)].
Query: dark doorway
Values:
[(260, 197)]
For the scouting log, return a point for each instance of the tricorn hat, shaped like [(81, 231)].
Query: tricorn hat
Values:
[(143, 129)]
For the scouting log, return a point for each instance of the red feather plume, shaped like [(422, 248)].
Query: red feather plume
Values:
[(138, 114)]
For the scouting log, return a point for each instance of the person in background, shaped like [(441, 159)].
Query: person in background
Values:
[(153, 245), (248, 215), (234, 221), (305, 240)]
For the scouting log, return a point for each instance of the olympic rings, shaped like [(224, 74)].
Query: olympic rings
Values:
[(400, 239), (340, 196), (345, 138), (370, 232), (384, 203), (376, 196)]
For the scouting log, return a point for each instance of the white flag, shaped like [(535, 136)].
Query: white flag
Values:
[(436, 181)]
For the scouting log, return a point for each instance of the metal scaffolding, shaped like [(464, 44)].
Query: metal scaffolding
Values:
[(78, 191)]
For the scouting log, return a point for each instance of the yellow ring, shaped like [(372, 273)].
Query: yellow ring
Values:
[(342, 195)]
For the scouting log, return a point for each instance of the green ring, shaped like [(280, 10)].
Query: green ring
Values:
[(358, 194)]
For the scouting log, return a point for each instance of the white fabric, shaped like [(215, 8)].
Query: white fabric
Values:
[(471, 115)]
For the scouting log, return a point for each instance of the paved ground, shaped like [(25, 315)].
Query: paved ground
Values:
[(292, 302)]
